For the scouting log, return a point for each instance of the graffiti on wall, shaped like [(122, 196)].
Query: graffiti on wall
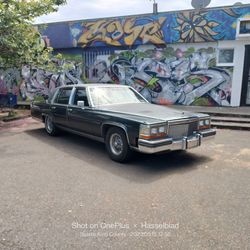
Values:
[(163, 76), (37, 82), (32, 82), (127, 32), (9, 81), (164, 28), (169, 76), (195, 27)]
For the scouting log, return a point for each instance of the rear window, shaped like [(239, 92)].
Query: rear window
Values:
[(63, 96)]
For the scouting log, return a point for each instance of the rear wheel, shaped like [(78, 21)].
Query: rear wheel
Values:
[(50, 126), (117, 145)]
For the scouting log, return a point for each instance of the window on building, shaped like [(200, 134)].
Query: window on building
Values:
[(225, 57), (243, 27)]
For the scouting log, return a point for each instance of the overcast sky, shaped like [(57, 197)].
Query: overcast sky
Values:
[(85, 9)]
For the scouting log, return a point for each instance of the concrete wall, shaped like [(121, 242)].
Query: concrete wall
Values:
[(171, 58), (239, 59)]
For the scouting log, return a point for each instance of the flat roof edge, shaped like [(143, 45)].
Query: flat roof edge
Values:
[(145, 14)]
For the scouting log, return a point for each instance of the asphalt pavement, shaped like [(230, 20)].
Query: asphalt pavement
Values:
[(65, 193)]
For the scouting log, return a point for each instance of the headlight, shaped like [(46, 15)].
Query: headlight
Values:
[(207, 122), (204, 124), (152, 131), (162, 129), (145, 130), (201, 123)]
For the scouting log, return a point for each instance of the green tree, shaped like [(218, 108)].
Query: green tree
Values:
[(20, 41)]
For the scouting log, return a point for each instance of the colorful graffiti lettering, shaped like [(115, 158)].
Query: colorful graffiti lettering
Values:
[(116, 33), (37, 82), (163, 76), (170, 76), (33, 82), (165, 28)]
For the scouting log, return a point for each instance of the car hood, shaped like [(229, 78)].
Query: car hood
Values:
[(150, 111)]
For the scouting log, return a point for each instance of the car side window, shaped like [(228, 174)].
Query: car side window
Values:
[(63, 96), (81, 95)]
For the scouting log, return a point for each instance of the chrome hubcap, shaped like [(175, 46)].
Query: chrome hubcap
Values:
[(49, 124), (116, 144)]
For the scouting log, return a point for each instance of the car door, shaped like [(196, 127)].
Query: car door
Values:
[(83, 119), (59, 107)]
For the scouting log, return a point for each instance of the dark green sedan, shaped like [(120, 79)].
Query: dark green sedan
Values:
[(121, 118)]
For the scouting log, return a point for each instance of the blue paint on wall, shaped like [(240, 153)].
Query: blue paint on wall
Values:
[(58, 34), (165, 28)]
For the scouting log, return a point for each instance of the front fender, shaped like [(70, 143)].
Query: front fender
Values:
[(106, 125)]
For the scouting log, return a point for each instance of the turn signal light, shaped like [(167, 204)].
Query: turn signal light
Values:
[(204, 124), (148, 132)]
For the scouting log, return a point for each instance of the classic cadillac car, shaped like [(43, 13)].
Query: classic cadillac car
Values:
[(121, 118)]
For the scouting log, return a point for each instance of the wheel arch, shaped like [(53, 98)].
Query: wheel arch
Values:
[(107, 125), (43, 117), (44, 114)]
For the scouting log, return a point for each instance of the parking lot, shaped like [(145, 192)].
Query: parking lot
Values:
[(65, 193)]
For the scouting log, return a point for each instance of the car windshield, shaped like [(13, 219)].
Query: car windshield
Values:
[(114, 95)]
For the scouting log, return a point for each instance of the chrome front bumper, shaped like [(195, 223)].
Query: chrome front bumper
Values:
[(156, 146)]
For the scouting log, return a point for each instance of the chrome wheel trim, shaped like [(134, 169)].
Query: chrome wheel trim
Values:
[(49, 124), (116, 144)]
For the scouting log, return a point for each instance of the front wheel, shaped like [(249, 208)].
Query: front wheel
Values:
[(117, 145), (50, 126)]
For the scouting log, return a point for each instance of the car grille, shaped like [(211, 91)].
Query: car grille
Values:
[(177, 131)]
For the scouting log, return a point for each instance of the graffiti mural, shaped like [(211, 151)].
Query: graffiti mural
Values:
[(152, 53), (9, 81), (165, 28), (169, 76), (32, 82), (126, 32), (194, 27), (163, 76), (37, 82)]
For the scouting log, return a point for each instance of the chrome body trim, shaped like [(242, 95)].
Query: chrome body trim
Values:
[(115, 124), (93, 137), (208, 134), (156, 146), (183, 121)]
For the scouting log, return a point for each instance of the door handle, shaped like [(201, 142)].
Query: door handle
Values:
[(70, 110), (53, 107)]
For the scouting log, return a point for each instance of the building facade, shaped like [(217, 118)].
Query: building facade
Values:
[(192, 57)]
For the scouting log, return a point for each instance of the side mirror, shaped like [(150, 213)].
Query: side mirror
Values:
[(80, 104)]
